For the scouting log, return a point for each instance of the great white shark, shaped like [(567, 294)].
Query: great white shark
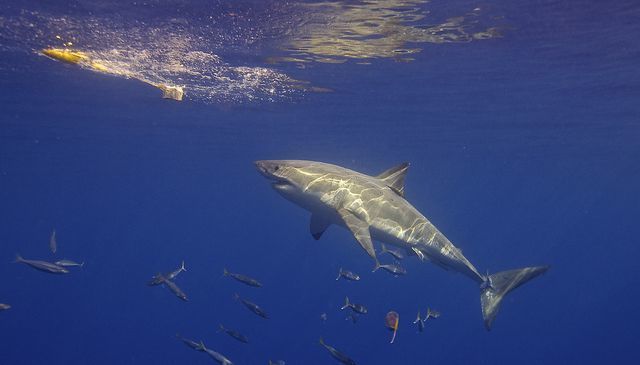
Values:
[(374, 208)]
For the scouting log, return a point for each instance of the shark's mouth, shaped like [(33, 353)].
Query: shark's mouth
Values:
[(280, 184)]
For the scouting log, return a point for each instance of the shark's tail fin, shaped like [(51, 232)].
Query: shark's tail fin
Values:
[(346, 303), (497, 286), (182, 268), (339, 274), (18, 258)]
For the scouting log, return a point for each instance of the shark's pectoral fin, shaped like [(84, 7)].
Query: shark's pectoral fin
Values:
[(360, 230), (318, 225), (394, 178)]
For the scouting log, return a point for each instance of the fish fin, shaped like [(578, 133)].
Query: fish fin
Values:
[(318, 225), (339, 274), (497, 286), (360, 230), (346, 303), (394, 178), (418, 253)]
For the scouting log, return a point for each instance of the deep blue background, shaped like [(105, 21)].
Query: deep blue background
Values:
[(524, 151)]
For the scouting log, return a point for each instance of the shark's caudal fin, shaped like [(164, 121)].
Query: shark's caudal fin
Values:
[(339, 274), (498, 285)]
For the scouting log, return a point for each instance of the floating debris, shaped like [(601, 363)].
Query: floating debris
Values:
[(392, 321)]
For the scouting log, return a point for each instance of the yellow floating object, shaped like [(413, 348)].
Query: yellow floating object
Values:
[(81, 58), (65, 55)]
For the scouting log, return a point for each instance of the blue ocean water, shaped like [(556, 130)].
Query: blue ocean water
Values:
[(520, 120)]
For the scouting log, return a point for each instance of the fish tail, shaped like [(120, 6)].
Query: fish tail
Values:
[(225, 272), (82, 264), (376, 267), (221, 328), (18, 258), (321, 341), (339, 274), (495, 287), (236, 296), (182, 266), (417, 318), (346, 303)]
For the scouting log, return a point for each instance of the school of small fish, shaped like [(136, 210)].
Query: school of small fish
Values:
[(168, 280)]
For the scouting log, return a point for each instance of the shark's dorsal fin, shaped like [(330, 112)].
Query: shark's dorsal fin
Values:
[(318, 225), (394, 177), (360, 230)]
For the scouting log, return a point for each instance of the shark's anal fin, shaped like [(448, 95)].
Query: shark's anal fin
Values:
[(360, 230), (318, 225), (394, 178)]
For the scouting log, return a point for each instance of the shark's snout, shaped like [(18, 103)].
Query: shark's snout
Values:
[(268, 168)]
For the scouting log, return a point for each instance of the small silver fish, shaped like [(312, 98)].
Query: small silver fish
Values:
[(252, 307), (198, 346), (243, 278), (174, 288), (395, 270), (42, 265), (69, 263), (159, 278), (53, 244), (235, 334), (421, 321), (337, 354), (353, 317), (217, 356), (172, 275), (395, 253), (347, 275), (358, 308), (4, 307)]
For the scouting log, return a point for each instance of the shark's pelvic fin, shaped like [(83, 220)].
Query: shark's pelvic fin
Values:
[(394, 177), (318, 225), (360, 230), (498, 285)]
